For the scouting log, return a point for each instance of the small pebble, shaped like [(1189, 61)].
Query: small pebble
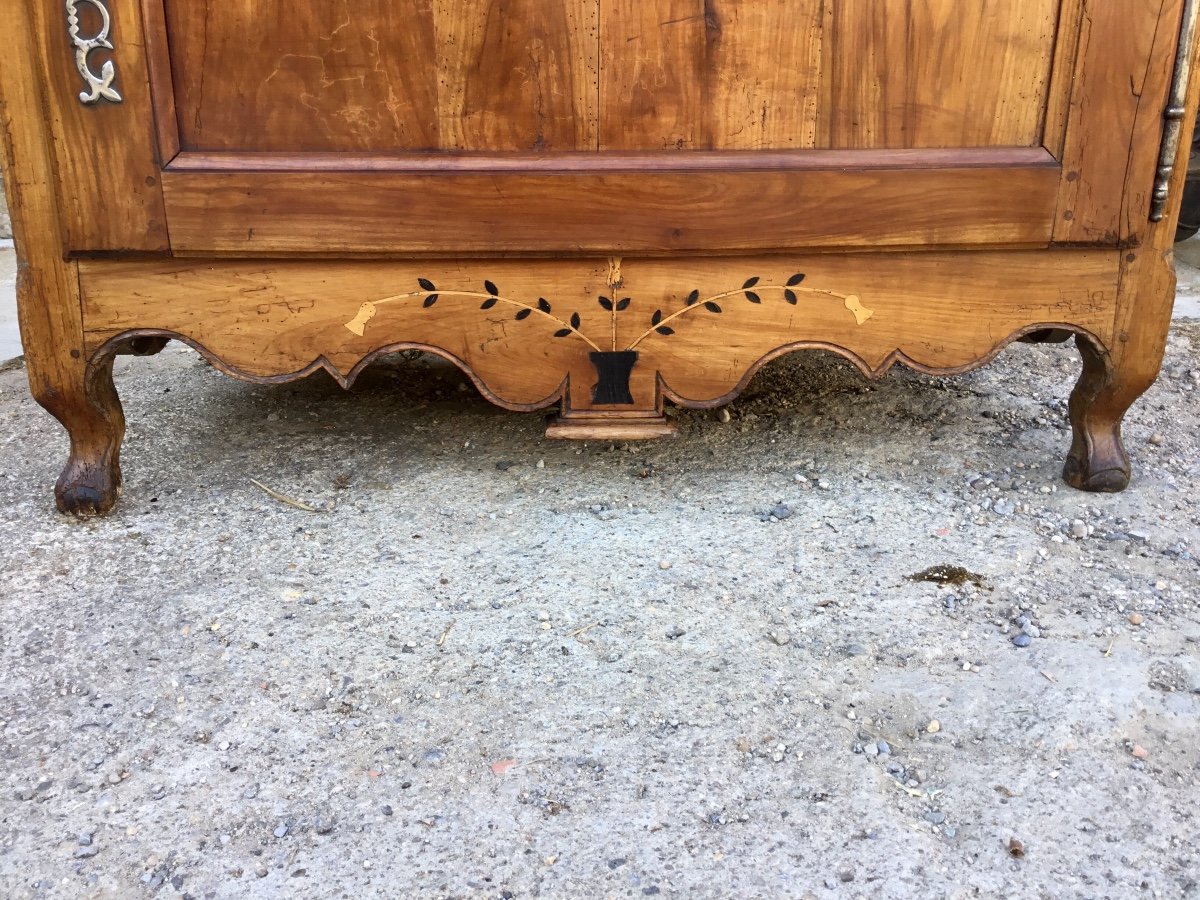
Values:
[(1136, 619), (1139, 752), (935, 817), (723, 416), (884, 748), (664, 565), (1022, 640), (782, 511), (86, 852), (933, 727), (782, 638), (675, 632), (281, 830), (1157, 440)]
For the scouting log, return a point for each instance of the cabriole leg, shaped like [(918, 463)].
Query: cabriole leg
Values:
[(1098, 460), (90, 410), (1114, 377)]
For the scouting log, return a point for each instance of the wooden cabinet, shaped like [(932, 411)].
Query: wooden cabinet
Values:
[(604, 204)]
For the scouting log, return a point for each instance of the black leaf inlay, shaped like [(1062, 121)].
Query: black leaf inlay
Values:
[(712, 307), (663, 329), (563, 332), (524, 314), (430, 300), (790, 296), (795, 280), (543, 304), (693, 298), (576, 321), (750, 282), (606, 303), (426, 284), (657, 317), (753, 297), (489, 303), (624, 304), (491, 288)]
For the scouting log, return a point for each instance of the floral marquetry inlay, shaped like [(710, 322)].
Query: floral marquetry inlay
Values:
[(752, 291)]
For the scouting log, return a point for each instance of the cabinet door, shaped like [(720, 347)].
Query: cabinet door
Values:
[(391, 127)]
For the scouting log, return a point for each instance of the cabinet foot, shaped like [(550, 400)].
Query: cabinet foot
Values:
[(1098, 460), (91, 480)]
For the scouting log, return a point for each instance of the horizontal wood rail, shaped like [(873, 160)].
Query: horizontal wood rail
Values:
[(641, 161), (648, 203)]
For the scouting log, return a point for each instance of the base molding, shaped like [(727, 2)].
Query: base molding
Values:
[(596, 428)]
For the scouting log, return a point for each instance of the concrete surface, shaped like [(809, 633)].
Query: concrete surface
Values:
[(5, 221), (494, 666), (10, 334)]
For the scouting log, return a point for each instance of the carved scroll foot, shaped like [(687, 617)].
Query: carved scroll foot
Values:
[(1098, 460), (91, 480)]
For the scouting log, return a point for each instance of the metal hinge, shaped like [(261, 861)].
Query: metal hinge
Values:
[(1176, 112)]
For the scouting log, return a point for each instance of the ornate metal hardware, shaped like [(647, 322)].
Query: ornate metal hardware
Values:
[(99, 86), (1176, 111)]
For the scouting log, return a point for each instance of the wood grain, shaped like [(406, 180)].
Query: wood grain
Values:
[(943, 312), (386, 75), (106, 155), (1123, 73), (1118, 371), (709, 74), (938, 73), (1066, 55), (517, 74), (162, 83), (633, 161), (49, 309), (509, 212)]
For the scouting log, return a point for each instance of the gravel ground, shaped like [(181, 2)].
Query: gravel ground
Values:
[(495, 666)]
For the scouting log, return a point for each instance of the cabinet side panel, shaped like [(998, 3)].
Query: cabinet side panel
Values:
[(47, 285), (110, 193), (1115, 122), (938, 73)]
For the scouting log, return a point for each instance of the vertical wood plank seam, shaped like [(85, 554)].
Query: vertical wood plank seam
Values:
[(161, 82), (1055, 61), (1082, 46), (1131, 227)]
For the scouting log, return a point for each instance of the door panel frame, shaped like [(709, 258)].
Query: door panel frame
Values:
[(126, 182), (646, 203)]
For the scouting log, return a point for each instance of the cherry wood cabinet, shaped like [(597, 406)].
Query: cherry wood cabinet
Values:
[(601, 204)]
